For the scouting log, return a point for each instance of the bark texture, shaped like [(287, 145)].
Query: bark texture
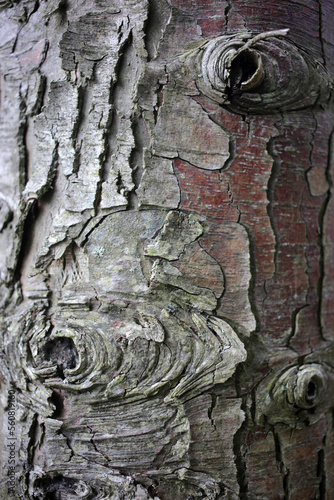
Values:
[(166, 249)]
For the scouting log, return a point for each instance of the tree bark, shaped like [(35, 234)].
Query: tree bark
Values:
[(166, 241)]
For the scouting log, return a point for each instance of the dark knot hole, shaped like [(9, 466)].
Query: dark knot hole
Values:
[(311, 390), (243, 67), (62, 352)]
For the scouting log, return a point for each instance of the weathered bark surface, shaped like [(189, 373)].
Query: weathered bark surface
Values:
[(166, 246)]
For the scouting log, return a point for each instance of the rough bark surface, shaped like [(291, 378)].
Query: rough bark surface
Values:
[(166, 249)]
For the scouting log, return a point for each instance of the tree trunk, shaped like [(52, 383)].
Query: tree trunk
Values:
[(166, 240)]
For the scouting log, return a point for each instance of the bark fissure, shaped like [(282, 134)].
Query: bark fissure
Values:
[(271, 194), (137, 159), (253, 278), (322, 233), (79, 126), (159, 17), (227, 12), (284, 470), (321, 473), (294, 319), (240, 454), (323, 52), (211, 409)]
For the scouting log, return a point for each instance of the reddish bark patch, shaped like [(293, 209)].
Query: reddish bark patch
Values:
[(210, 14), (300, 456)]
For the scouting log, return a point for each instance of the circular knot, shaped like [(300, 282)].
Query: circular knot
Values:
[(310, 387), (261, 74), (303, 387)]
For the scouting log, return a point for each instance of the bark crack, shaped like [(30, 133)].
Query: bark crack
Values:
[(211, 409), (159, 17), (83, 238), (227, 12), (231, 139), (311, 153), (219, 298), (231, 202), (36, 434), (271, 193), (294, 323), (253, 277), (84, 102), (160, 457), (178, 183), (321, 472), (307, 270), (136, 158), (159, 97), (280, 464), (123, 149), (322, 235), (240, 452), (323, 52), (106, 457)]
